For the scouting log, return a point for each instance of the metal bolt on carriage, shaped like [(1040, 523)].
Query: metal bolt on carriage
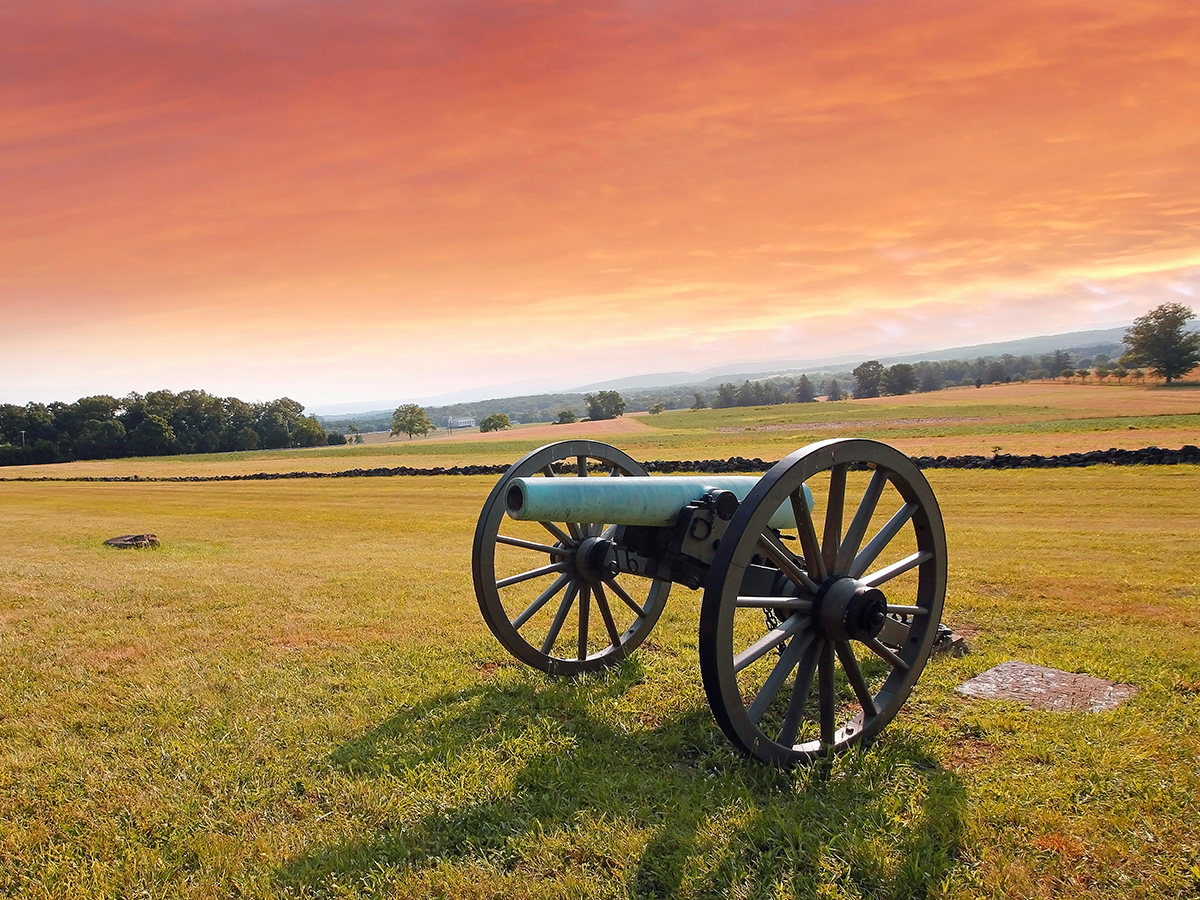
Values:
[(823, 581)]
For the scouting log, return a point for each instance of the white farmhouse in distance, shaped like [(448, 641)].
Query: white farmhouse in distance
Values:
[(462, 422)]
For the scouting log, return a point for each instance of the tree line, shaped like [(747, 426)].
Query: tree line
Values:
[(160, 423)]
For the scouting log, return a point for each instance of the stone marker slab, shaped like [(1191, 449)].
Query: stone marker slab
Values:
[(1041, 688), (133, 541)]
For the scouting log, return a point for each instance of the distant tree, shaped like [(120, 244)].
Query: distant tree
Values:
[(1120, 373), (101, 439), (246, 439), (867, 376), (995, 373), (495, 422), (153, 436), (726, 396), (700, 403), (978, 382), (1103, 371), (749, 394), (805, 392), (308, 432), (567, 416), (1067, 374), (898, 380), (412, 420), (657, 408), (335, 439), (605, 405), (834, 391), (1158, 340), (276, 422), (930, 377)]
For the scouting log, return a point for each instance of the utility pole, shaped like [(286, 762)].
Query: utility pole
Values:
[(22, 437)]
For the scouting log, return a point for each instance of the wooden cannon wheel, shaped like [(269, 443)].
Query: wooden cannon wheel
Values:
[(811, 641), (534, 587)]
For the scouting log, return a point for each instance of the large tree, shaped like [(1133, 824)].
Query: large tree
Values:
[(605, 405), (899, 379), (495, 422), (867, 376), (411, 419), (1158, 340)]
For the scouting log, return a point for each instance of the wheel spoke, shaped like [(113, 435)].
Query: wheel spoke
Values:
[(769, 641), (887, 573), (791, 604), (557, 532), (585, 604), (778, 555), (625, 598), (907, 610), (862, 519), (581, 466), (833, 516), (559, 618), (886, 655), (541, 601), (855, 676), (783, 668), (606, 614), (882, 539), (576, 531), (548, 471), (809, 543), (532, 545), (825, 692), (532, 573), (798, 702)]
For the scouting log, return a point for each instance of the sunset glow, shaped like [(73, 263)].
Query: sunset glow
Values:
[(358, 200)]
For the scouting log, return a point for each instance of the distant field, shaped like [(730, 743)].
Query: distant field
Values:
[(1029, 418), (296, 697)]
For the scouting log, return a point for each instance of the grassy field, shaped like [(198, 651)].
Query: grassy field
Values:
[(296, 696), (1018, 418)]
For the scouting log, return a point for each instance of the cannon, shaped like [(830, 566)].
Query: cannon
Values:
[(823, 581)]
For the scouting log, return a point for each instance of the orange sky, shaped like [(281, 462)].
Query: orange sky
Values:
[(359, 200)]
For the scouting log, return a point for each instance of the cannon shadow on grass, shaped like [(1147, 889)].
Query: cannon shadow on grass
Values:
[(666, 811)]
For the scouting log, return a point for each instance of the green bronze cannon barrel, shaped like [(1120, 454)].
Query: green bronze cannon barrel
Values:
[(626, 501)]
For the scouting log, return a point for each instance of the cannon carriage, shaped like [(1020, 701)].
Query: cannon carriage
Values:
[(823, 581)]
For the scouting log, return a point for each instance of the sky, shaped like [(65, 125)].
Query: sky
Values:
[(345, 200)]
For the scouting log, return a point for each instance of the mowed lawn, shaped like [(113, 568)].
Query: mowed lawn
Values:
[(296, 696)]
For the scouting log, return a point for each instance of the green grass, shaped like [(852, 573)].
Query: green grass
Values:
[(296, 697)]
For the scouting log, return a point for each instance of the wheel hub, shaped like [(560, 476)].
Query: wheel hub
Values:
[(848, 609), (596, 559)]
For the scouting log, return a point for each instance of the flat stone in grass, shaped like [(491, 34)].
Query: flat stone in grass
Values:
[(133, 541), (1041, 688)]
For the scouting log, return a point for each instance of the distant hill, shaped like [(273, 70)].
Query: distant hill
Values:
[(1098, 341), (676, 389)]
